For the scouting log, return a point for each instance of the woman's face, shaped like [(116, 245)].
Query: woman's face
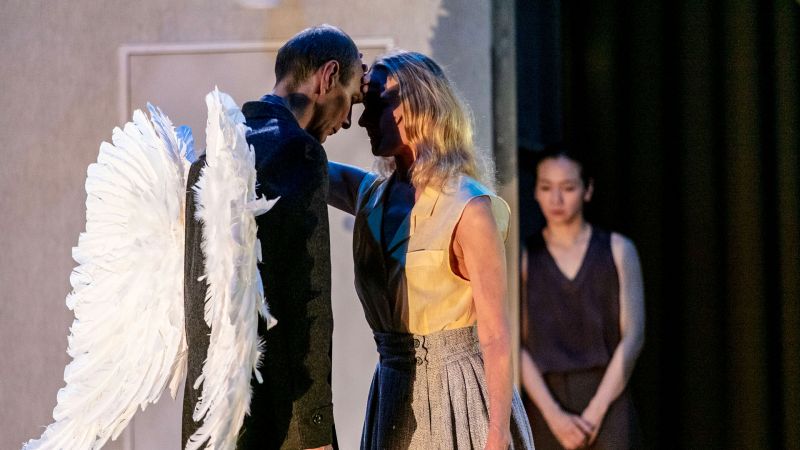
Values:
[(383, 114), (560, 191)]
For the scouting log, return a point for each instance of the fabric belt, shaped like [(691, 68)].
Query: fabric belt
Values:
[(406, 351)]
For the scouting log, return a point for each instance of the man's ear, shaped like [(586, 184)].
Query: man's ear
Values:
[(329, 76)]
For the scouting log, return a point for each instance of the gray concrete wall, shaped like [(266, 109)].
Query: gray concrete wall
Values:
[(59, 100)]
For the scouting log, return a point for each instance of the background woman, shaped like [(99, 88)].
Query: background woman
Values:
[(583, 317), (429, 265)]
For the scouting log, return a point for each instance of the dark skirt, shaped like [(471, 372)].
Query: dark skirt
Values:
[(429, 392), (573, 391)]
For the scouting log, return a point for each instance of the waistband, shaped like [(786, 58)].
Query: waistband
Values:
[(406, 351)]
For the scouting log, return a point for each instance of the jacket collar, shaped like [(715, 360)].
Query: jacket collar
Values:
[(424, 206), (268, 107)]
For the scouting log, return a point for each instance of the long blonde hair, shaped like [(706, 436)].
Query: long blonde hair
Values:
[(437, 123)]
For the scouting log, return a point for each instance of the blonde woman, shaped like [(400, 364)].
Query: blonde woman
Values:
[(430, 269)]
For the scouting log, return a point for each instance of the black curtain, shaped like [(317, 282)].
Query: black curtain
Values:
[(691, 109)]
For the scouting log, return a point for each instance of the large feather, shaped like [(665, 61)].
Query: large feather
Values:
[(127, 340), (227, 206)]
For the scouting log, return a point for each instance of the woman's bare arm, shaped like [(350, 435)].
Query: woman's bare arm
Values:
[(631, 322), (477, 238)]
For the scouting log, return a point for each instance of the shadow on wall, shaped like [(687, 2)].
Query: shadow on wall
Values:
[(467, 21)]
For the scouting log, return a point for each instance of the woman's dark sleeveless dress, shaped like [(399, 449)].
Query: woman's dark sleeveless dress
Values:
[(571, 329)]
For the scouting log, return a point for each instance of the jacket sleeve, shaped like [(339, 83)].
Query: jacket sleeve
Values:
[(344, 181)]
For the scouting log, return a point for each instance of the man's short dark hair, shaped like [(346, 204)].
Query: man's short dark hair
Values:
[(309, 49)]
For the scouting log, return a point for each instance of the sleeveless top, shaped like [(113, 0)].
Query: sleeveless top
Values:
[(572, 324), (411, 287)]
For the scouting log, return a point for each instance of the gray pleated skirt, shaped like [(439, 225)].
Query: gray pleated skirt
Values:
[(429, 392)]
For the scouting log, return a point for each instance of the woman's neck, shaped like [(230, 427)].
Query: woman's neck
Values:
[(567, 234), (403, 160)]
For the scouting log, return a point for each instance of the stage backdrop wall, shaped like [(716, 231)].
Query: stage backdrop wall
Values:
[(71, 71)]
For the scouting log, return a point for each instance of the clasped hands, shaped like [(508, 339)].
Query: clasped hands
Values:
[(574, 431)]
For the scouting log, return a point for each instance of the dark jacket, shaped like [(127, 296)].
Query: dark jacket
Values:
[(293, 408)]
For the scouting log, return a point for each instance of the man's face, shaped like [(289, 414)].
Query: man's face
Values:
[(334, 108)]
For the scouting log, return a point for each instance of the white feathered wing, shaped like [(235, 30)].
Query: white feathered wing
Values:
[(227, 206), (127, 341)]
